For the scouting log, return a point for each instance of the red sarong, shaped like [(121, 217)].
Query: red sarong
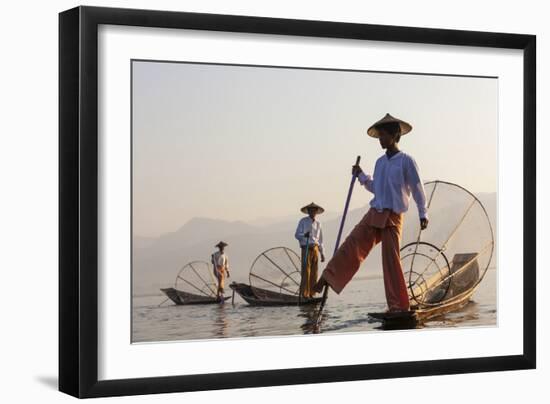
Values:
[(375, 227)]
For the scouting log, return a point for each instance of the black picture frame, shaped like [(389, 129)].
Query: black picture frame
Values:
[(78, 200)]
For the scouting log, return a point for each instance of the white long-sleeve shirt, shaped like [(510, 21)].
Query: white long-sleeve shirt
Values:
[(315, 233), (220, 260), (393, 182)]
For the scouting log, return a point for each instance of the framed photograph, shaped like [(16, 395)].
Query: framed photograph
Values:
[(250, 201)]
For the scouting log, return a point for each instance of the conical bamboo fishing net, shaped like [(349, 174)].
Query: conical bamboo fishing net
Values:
[(197, 278), (278, 270), (451, 256)]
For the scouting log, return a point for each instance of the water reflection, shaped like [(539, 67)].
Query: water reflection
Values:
[(347, 312), (398, 325), (472, 312), (220, 321), (310, 313)]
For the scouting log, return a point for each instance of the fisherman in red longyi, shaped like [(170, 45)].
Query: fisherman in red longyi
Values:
[(396, 177)]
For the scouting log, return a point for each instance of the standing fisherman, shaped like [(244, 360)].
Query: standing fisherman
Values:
[(310, 236), (395, 178), (221, 267)]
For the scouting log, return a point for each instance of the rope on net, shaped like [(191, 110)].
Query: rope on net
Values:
[(272, 283), (458, 271), (189, 283), (280, 269), (420, 233), (439, 251), (290, 259), (427, 287), (200, 277)]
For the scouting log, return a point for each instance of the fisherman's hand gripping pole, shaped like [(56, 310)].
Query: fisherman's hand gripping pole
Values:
[(337, 244)]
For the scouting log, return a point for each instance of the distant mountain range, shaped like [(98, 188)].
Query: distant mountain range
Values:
[(156, 261)]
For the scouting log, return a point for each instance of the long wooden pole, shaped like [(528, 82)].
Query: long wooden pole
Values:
[(304, 269), (337, 244)]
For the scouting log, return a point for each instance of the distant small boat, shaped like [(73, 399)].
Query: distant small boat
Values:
[(263, 297), (180, 297), (275, 277), (195, 284)]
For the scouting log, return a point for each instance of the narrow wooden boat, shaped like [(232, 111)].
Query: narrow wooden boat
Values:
[(275, 277), (180, 297), (194, 284), (418, 315), (263, 297), (437, 296)]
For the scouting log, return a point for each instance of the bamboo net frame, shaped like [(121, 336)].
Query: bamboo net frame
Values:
[(440, 250)]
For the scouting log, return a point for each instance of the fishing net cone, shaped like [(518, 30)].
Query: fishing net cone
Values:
[(277, 270), (452, 255), (197, 278)]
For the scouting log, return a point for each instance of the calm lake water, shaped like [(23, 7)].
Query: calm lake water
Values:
[(346, 312)]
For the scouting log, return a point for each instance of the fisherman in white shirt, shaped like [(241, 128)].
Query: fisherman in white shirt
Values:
[(220, 263), (310, 236), (395, 178)]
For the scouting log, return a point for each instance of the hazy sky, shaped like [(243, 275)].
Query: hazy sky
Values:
[(240, 143)]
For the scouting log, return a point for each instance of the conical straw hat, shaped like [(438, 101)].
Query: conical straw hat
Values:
[(312, 205), (221, 244), (405, 127)]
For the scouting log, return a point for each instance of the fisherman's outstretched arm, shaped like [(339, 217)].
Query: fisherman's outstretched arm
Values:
[(417, 188)]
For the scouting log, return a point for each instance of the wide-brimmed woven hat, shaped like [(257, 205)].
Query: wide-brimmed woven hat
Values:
[(312, 205), (221, 244), (405, 127)]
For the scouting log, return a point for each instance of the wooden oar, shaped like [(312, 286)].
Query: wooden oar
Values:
[(336, 245)]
